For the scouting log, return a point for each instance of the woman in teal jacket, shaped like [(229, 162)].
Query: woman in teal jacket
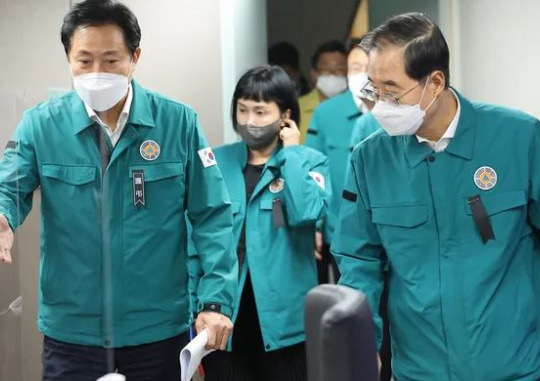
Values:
[(278, 192)]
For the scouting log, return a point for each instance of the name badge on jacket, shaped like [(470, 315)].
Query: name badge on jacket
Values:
[(138, 188)]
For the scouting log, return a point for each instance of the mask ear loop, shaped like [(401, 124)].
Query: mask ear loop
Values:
[(422, 97), (131, 71)]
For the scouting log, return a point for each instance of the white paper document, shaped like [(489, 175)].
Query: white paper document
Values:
[(192, 354)]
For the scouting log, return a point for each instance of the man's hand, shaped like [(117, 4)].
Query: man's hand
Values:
[(318, 245), (6, 240), (218, 326)]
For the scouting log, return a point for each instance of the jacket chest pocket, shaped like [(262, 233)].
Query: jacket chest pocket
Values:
[(272, 213), (339, 146), (401, 227), (265, 210), (400, 216), (338, 152), (69, 190), (60, 180), (507, 212), (75, 175), (163, 183), (236, 207)]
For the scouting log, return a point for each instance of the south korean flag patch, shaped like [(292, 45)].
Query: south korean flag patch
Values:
[(319, 179), (207, 157)]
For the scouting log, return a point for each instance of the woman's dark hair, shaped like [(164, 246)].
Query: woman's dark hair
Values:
[(265, 84), (98, 13), (425, 47)]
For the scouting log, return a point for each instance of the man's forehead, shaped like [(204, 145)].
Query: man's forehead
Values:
[(331, 58), (104, 38), (386, 64), (356, 55)]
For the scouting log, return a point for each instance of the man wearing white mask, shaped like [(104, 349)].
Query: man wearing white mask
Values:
[(328, 73), (358, 79), (357, 76), (119, 168), (446, 197), (330, 132), (366, 124)]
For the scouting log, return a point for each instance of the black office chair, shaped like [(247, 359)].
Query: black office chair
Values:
[(340, 335)]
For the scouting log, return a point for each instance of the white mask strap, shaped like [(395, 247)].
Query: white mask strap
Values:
[(422, 97)]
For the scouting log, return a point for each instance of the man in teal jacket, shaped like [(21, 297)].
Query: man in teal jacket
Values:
[(118, 165), (330, 132), (446, 196)]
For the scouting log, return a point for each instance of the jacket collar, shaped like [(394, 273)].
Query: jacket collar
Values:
[(140, 112), (462, 144)]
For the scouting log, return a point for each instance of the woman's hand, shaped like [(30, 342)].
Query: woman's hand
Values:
[(289, 134)]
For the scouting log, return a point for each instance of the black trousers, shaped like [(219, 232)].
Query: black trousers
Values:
[(385, 351), (157, 361), (327, 261), (248, 360)]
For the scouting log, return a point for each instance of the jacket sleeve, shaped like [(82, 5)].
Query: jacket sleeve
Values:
[(534, 176), (356, 245), (210, 215), (194, 271), (534, 206), (307, 185), (315, 140), (19, 176)]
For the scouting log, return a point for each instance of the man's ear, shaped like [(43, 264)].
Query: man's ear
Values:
[(438, 82), (135, 58)]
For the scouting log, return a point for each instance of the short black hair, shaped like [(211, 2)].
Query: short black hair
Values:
[(353, 42), (426, 49), (98, 13), (265, 84), (284, 53), (327, 47)]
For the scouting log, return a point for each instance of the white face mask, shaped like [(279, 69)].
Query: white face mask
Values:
[(101, 91), (331, 85), (357, 82), (401, 119)]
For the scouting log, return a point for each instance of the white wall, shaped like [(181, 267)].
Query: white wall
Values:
[(243, 46), (496, 48), (181, 55), (195, 51), (32, 63)]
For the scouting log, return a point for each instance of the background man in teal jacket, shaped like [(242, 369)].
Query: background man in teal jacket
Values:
[(446, 197), (118, 166), (330, 132)]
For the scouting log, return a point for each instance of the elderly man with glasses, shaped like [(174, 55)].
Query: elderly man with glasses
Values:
[(446, 198)]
